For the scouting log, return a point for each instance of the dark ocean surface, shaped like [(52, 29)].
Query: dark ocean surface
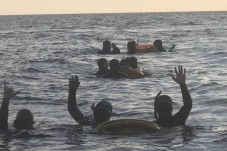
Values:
[(39, 53)]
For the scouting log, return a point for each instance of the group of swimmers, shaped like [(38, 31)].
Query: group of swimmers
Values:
[(102, 110), (107, 45), (163, 108), (132, 47), (126, 68)]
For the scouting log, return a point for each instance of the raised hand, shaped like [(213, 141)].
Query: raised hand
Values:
[(114, 45), (180, 75), (73, 84), (8, 93)]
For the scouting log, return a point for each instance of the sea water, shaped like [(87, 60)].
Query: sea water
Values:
[(38, 54)]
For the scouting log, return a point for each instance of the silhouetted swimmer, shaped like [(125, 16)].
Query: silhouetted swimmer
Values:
[(114, 71), (163, 103), (158, 45), (115, 50), (24, 119), (130, 62), (133, 63), (103, 66), (102, 110), (129, 66), (131, 46), (106, 47)]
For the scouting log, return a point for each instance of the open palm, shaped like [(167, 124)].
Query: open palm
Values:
[(180, 77), (8, 93)]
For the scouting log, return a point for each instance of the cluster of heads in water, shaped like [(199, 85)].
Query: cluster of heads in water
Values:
[(107, 45), (131, 46), (114, 66), (157, 46)]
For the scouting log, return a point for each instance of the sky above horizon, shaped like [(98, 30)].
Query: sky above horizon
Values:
[(24, 7)]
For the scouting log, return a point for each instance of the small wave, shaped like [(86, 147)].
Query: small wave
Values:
[(27, 134), (31, 70), (53, 60), (220, 102), (221, 141), (58, 43)]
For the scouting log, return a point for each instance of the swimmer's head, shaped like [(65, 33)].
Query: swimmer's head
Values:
[(131, 46), (103, 64), (24, 120), (102, 111), (107, 45), (133, 62), (158, 44), (114, 65), (163, 107)]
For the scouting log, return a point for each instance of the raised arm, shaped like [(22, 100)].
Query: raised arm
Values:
[(181, 80), (7, 95), (72, 104)]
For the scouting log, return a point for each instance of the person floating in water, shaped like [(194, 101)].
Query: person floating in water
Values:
[(158, 46), (163, 103), (107, 48), (134, 47), (129, 66), (131, 46), (114, 71), (103, 67), (24, 118), (115, 50), (102, 110)]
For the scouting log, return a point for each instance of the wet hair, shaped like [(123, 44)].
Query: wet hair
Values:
[(124, 61), (102, 104), (106, 42), (102, 111), (129, 61), (106, 45), (158, 44), (131, 46), (162, 103), (101, 62), (24, 119), (133, 62), (114, 64)]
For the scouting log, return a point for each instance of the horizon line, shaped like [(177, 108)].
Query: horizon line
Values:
[(38, 14)]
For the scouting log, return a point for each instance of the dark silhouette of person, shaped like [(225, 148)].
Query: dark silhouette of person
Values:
[(102, 110), (106, 47), (24, 118), (115, 50), (131, 46), (158, 45), (114, 71), (103, 67), (163, 103)]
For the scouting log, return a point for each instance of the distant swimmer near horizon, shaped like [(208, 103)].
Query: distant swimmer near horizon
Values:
[(102, 110), (134, 47), (107, 48), (24, 118), (163, 103)]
